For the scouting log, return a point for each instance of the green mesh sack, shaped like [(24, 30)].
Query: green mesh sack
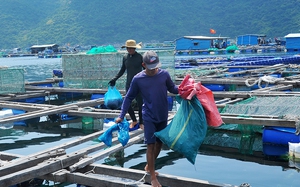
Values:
[(187, 130)]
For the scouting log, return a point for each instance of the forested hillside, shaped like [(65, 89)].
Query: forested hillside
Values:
[(98, 22)]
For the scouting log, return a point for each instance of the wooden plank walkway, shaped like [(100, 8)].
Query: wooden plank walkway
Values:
[(74, 167), (78, 167)]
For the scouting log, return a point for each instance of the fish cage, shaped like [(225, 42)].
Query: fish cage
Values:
[(95, 71), (12, 80)]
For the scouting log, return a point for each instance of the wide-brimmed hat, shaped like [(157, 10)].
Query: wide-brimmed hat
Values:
[(150, 58), (132, 44)]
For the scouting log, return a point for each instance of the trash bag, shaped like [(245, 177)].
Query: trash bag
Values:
[(123, 133), (113, 98), (188, 88), (187, 130)]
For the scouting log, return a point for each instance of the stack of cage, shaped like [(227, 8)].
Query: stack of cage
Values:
[(167, 59), (91, 71), (12, 80), (95, 71)]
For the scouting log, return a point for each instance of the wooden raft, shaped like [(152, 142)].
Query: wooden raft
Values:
[(78, 167)]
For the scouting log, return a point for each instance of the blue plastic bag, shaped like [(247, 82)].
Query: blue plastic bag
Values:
[(187, 130), (123, 133), (113, 98), (106, 137)]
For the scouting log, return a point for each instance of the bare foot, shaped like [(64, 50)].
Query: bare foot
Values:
[(147, 170), (155, 183), (142, 126), (132, 124)]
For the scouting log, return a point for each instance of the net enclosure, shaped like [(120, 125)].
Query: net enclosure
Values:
[(96, 70), (269, 105), (12, 80), (278, 106)]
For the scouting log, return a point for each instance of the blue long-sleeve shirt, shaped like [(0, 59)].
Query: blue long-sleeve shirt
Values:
[(154, 90)]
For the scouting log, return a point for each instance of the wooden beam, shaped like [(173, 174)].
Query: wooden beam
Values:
[(258, 121), (22, 96), (41, 169), (14, 166), (139, 136), (164, 179), (34, 114), (63, 90), (8, 156), (243, 94), (23, 106)]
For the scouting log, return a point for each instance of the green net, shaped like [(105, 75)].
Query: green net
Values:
[(198, 71), (101, 49), (275, 106), (95, 71), (233, 139), (278, 106), (12, 80), (232, 47)]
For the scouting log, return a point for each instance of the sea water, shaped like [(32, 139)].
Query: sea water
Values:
[(220, 161)]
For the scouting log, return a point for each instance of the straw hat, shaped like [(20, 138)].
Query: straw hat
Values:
[(132, 44)]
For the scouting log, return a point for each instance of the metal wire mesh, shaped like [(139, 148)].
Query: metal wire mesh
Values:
[(12, 80), (95, 71)]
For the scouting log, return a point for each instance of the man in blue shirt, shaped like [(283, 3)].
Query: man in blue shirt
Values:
[(153, 83)]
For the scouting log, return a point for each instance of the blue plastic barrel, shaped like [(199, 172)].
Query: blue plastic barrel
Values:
[(16, 112), (215, 87), (58, 73), (35, 100), (98, 96), (275, 149), (44, 85), (280, 135)]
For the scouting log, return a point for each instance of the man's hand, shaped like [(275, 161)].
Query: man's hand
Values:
[(112, 82), (118, 120)]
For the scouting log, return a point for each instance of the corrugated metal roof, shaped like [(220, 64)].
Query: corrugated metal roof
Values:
[(258, 35), (205, 37), (293, 35), (40, 46)]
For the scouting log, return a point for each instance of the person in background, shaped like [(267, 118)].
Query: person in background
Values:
[(132, 63), (153, 83)]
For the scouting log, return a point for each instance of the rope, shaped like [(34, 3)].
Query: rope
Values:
[(266, 78), (91, 171), (139, 181), (251, 79)]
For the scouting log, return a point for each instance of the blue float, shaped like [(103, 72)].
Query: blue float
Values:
[(280, 135)]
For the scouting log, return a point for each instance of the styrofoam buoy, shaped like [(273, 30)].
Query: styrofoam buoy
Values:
[(294, 150), (6, 113)]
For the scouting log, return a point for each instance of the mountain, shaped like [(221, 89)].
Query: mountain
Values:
[(98, 22)]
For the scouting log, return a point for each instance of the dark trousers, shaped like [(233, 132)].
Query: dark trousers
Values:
[(130, 111)]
